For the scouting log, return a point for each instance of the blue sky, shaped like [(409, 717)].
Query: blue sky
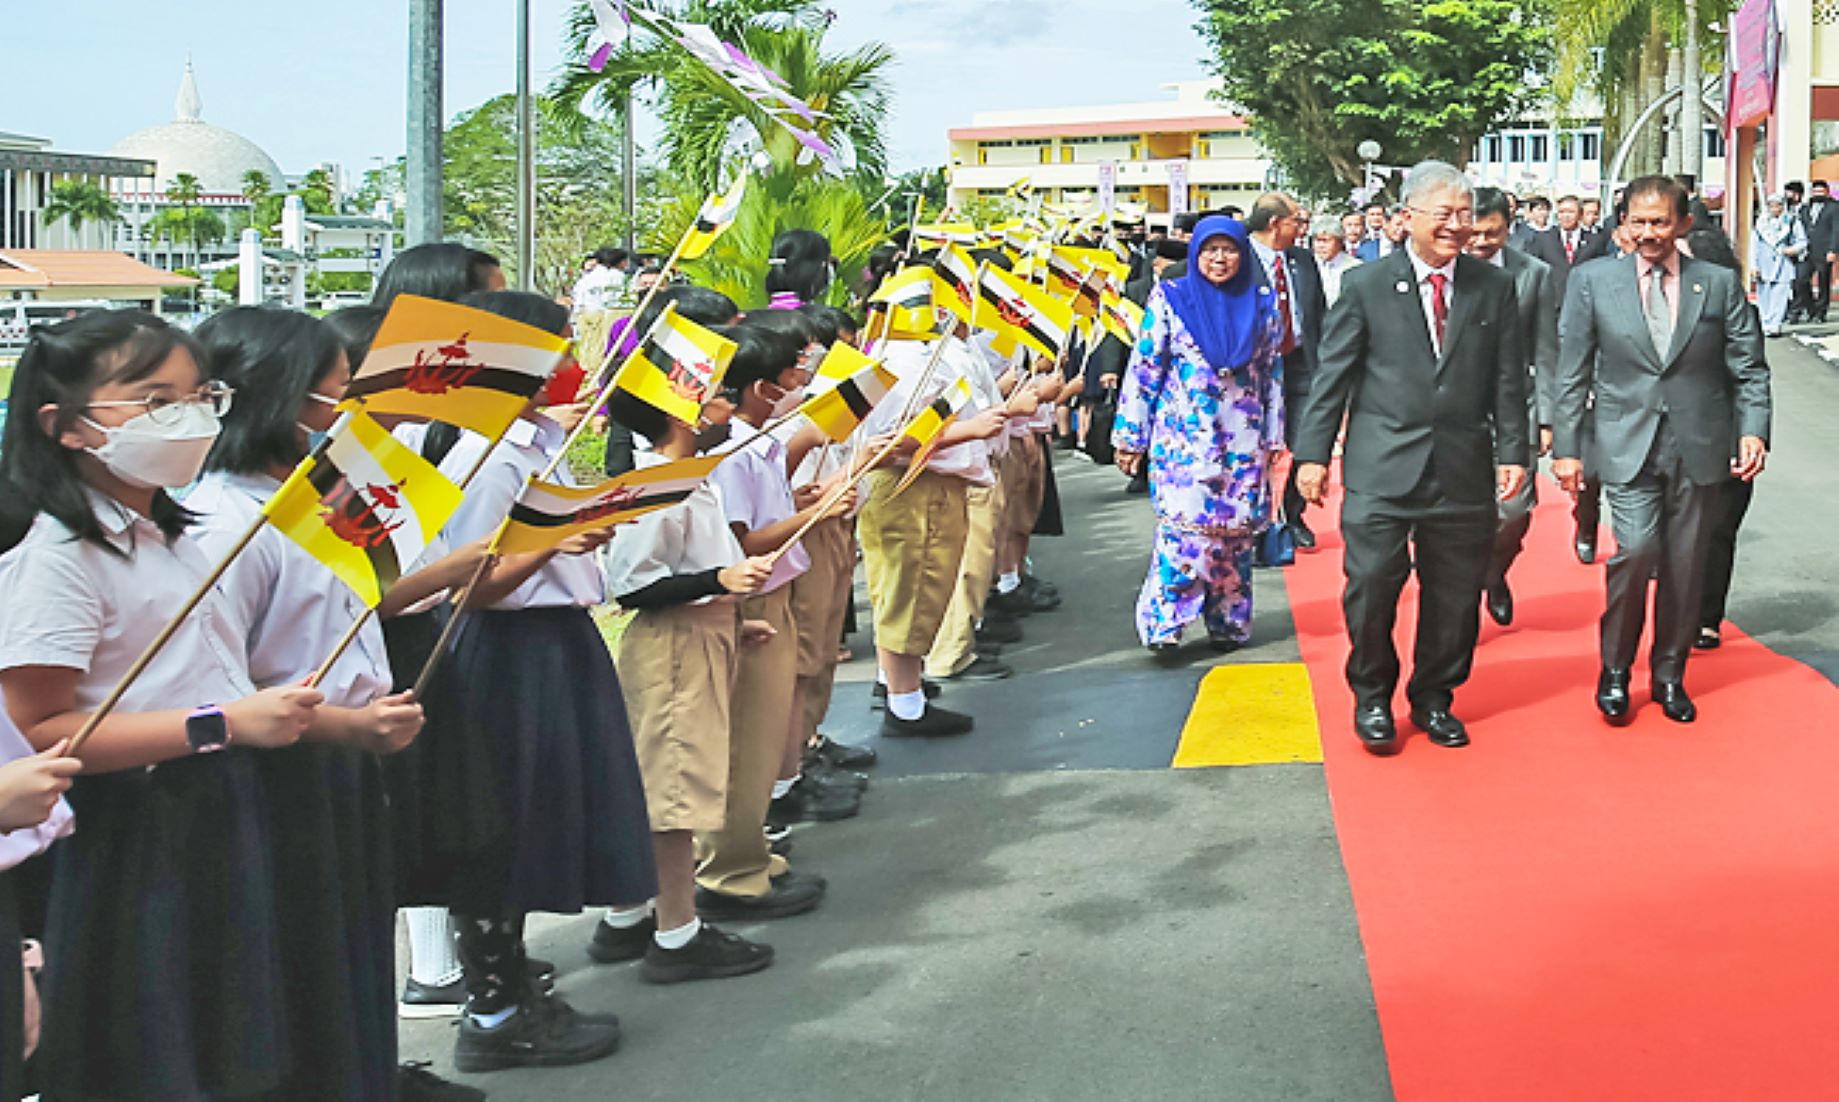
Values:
[(329, 86)]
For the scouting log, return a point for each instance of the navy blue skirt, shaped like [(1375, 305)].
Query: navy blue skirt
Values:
[(530, 796)]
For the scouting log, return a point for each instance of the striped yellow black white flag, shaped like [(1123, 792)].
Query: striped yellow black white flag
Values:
[(441, 361), (930, 425), (1122, 318), (677, 367), (837, 412), (547, 513), (906, 298), (1037, 319), (364, 505), (717, 214), (956, 282)]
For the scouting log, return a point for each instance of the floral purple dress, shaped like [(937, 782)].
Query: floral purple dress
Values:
[(1207, 429)]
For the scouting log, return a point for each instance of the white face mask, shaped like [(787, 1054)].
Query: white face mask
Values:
[(315, 437), (155, 456), (788, 401)]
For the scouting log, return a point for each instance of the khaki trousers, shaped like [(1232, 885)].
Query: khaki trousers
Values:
[(956, 644), (676, 670), (911, 547), (735, 859), (819, 596)]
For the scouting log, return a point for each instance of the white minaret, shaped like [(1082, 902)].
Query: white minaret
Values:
[(249, 274), (189, 106)]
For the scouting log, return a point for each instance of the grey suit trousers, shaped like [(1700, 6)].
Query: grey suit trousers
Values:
[(1662, 525)]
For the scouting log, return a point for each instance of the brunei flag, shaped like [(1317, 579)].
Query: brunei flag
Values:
[(440, 361), (930, 426), (677, 367), (906, 299), (717, 214), (840, 363), (837, 412), (1075, 281), (955, 280), (1035, 318), (1121, 317), (364, 505), (946, 233), (547, 513)]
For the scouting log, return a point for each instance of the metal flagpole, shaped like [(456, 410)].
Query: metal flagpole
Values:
[(526, 156)]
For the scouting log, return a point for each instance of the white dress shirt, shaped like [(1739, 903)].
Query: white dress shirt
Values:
[(907, 359), (289, 608), (563, 581), (74, 605), (1427, 295), (26, 842), (757, 493), (1268, 257), (690, 537), (1332, 271)]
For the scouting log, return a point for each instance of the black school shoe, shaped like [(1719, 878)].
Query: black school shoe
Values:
[(825, 775), (934, 722), (998, 629), (841, 754), (711, 955), (544, 1033), (983, 668), (612, 944), (810, 801), (790, 895), (1015, 604), (415, 1083), (422, 1001), (878, 696)]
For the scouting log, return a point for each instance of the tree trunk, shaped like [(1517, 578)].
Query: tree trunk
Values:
[(1692, 108), (1653, 83), (1671, 117)]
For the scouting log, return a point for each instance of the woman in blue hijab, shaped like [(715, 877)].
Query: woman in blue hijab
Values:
[(1202, 410)]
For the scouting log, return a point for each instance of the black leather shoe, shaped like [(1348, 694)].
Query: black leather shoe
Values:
[(1373, 724), (1443, 728), (711, 954), (842, 754), (1014, 604), (1709, 639), (613, 944), (1302, 533), (1612, 696), (998, 629), (1674, 703), (983, 669), (934, 722), (1586, 550), (1500, 603), (787, 897)]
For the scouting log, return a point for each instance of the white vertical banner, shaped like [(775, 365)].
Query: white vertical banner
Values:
[(1107, 186), (1178, 187)]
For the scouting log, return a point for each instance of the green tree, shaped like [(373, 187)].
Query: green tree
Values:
[(317, 190), (1424, 79), (75, 202), (257, 191), (1622, 50)]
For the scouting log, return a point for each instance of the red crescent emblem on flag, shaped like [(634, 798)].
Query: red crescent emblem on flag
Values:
[(690, 381), (1011, 313), (360, 516), (450, 368), (614, 502)]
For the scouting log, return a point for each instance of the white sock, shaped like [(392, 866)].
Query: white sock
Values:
[(434, 959), (681, 936), (493, 1021), (881, 677), (782, 786), (907, 705), (626, 920), (1009, 582)]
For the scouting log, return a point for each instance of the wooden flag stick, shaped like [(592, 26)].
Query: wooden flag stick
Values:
[(453, 622), (159, 641)]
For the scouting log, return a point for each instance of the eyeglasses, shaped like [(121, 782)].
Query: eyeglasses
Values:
[(1219, 251), (162, 410), (1448, 217)]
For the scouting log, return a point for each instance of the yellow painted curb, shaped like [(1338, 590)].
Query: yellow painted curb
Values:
[(1253, 714)]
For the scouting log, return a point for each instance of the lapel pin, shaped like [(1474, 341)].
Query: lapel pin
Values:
[(1403, 287), (1698, 289)]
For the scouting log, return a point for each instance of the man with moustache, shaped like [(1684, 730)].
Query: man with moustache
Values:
[(1422, 355)]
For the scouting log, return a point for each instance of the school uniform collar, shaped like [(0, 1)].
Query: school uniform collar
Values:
[(258, 486), (116, 519), (540, 430), (740, 433)]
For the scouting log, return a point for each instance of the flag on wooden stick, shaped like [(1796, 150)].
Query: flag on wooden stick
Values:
[(928, 428), (364, 505), (1035, 318), (717, 214), (906, 298), (546, 513), (956, 282), (677, 367), (838, 412), (441, 361)]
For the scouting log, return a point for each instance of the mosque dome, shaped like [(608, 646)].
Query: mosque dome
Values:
[(218, 157)]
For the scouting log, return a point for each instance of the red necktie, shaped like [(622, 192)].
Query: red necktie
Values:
[(1570, 247), (1439, 305), (1281, 277)]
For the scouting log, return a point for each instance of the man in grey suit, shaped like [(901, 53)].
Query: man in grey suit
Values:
[(1422, 354), (1673, 353), (1533, 286)]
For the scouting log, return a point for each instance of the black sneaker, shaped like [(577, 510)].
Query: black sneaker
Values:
[(1015, 604), (612, 944), (878, 696), (989, 650), (934, 722), (983, 669), (824, 775), (789, 895), (711, 955), (780, 846), (842, 755), (999, 629), (1033, 585), (415, 1083), (421, 1001), (544, 1033), (809, 802)]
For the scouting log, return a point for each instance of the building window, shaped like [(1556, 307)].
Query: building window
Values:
[(1714, 142), (1516, 148), (1540, 147), (1567, 146), (1491, 149), (1589, 146)]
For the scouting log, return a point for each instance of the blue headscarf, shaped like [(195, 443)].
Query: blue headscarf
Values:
[(1225, 321)]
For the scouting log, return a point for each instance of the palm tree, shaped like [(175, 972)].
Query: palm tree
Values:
[(185, 190), (1623, 50), (316, 190), (256, 187), (75, 202)]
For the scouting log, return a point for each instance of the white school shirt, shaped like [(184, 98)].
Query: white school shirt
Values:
[(565, 580), (1422, 271), (27, 842), (74, 605), (991, 365), (593, 291), (287, 605), (757, 493), (907, 359), (690, 537)]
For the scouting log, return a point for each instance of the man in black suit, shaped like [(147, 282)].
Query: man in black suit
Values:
[(1672, 351), (1795, 197), (1422, 354), (1289, 275), (1822, 242), (1538, 311)]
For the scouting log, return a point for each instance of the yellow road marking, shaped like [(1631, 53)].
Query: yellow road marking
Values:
[(1253, 714)]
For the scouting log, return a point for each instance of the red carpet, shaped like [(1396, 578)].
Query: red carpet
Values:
[(1564, 911)]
